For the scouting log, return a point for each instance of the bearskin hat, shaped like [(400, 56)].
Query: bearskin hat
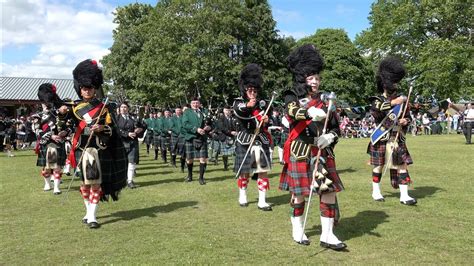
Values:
[(304, 61), (87, 74), (251, 75), (391, 70), (47, 94)]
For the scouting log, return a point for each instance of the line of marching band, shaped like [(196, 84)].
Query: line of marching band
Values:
[(100, 140)]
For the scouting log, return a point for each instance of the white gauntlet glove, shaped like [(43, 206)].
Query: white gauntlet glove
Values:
[(316, 114), (325, 140)]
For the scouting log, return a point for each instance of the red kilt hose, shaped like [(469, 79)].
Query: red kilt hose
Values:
[(297, 175)]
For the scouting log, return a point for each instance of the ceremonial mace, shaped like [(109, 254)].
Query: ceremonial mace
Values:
[(109, 94), (395, 142), (331, 97), (257, 131)]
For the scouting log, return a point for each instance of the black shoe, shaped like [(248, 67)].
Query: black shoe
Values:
[(201, 181), (336, 247), (182, 170), (93, 225), (409, 202), (84, 221), (303, 242), (131, 185), (57, 193), (380, 200), (68, 174), (188, 179), (243, 204), (266, 208)]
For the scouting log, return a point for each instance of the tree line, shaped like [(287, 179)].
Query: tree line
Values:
[(176, 50)]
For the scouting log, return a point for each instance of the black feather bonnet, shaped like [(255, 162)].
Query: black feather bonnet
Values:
[(304, 61), (391, 71), (251, 75), (87, 74), (47, 94)]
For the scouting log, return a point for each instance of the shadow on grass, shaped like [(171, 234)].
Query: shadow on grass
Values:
[(149, 212), (280, 200), (347, 170), (364, 223), (157, 173), (418, 192), (157, 182)]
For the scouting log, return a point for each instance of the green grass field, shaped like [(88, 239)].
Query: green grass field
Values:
[(167, 221)]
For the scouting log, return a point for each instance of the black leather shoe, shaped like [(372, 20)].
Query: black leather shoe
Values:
[(380, 200), (243, 204), (68, 174), (409, 202), (131, 185), (57, 193), (303, 242), (266, 208), (201, 181), (188, 179), (93, 225), (336, 247)]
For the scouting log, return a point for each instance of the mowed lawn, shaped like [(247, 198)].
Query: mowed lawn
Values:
[(168, 221)]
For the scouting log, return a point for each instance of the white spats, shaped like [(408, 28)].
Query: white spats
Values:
[(327, 235), (47, 186), (262, 203), (131, 172), (376, 194), (91, 212), (298, 234), (404, 197), (56, 190), (243, 197)]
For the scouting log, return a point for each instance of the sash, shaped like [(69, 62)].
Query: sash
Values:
[(296, 131), (381, 130), (91, 113)]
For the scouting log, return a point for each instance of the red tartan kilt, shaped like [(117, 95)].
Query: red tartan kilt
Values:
[(297, 175), (377, 153)]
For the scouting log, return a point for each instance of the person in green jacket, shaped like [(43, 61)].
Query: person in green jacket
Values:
[(196, 130), (177, 138), (156, 133), (165, 134)]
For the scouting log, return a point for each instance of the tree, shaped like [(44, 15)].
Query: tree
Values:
[(433, 37), (128, 41), (346, 72)]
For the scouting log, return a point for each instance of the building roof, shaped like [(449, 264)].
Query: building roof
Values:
[(26, 89)]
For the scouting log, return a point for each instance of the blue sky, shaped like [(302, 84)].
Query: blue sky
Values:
[(47, 38)]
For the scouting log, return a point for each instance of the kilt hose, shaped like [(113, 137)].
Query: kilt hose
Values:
[(61, 152), (240, 151), (296, 175), (377, 153), (193, 152), (177, 145)]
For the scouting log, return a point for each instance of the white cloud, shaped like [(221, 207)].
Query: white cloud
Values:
[(295, 34), (281, 15), (65, 34)]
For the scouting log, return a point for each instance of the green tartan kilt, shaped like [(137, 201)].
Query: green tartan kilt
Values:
[(165, 143), (192, 152), (177, 145), (113, 164), (156, 141), (41, 161), (148, 138)]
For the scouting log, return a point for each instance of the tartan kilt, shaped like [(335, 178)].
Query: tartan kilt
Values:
[(377, 153), (165, 143), (226, 149), (41, 161), (240, 151), (177, 145), (132, 150), (156, 141), (148, 137), (296, 176), (114, 166), (192, 152)]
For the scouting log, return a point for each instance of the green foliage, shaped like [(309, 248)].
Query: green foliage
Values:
[(346, 72), (434, 39), (167, 221), (195, 48)]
